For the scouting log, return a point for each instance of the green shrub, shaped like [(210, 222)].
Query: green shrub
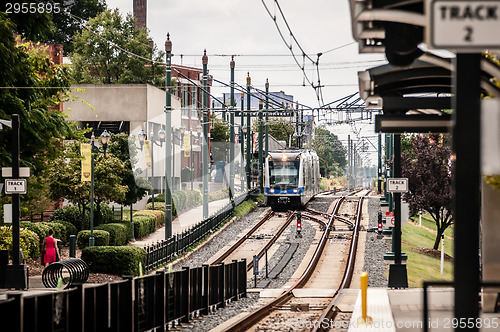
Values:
[(117, 233), (143, 225), (28, 241), (157, 214), (128, 225), (121, 260), (106, 215), (101, 238), (40, 228), (160, 206), (71, 214), (70, 228), (158, 198), (260, 198), (219, 194)]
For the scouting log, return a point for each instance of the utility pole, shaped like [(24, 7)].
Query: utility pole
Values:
[(231, 132), (249, 133), (242, 144), (168, 140), (206, 160), (261, 137), (267, 118)]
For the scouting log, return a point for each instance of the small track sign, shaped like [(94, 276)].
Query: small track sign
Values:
[(397, 185), (17, 186), (464, 25)]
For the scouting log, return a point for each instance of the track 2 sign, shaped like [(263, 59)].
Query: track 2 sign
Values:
[(397, 185), (464, 25)]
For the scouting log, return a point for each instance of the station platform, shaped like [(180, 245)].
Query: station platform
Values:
[(402, 310)]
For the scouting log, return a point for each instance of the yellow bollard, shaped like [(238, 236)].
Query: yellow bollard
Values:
[(364, 319)]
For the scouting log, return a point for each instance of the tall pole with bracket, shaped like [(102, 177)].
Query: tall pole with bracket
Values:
[(168, 140), (231, 132), (205, 135), (249, 134)]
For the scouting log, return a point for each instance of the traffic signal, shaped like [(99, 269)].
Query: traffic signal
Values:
[(299, 222), (380, 227)]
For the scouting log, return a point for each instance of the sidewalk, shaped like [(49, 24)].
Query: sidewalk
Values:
[(183, 222)]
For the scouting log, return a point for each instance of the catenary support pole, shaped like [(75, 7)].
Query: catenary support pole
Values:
[(206, 161), (168, 140), (249, 134), (267, 119), (242, 143), (231, 132), (466, 147), (261, 138)]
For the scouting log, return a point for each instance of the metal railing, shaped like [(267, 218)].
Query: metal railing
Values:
[(155, 302), (162, 252)]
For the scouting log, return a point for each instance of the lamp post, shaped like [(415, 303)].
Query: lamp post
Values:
[(168, 125), (104, 140)]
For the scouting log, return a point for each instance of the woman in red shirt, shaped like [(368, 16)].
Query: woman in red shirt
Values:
[(50, 248)]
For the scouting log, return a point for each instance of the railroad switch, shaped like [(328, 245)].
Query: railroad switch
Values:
[(299, 307)]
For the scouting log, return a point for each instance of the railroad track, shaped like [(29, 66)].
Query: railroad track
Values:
[(280, 302), (228, 253)]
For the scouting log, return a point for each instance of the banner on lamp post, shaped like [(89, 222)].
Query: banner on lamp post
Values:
[(85, 151), (147, 153), (187, 145)]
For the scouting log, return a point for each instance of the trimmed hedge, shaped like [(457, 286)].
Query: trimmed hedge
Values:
[(117, 233), (181, 200), (157, 214), (71, 214), (121, 260), (219, 194), (128, 225), (59, 230), (39, 228), (70, 228), (143, 225), (158, 198), (101, 238)]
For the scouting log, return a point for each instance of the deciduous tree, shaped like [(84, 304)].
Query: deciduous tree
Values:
[(429, 171)]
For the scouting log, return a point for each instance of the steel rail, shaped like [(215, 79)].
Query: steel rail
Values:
[(238, 243), (331, 310), (273, 239), (249, 320)]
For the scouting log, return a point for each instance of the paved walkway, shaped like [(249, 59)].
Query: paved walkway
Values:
[(183, 222)]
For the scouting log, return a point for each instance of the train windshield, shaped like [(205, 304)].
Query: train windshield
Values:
[(284, 174)]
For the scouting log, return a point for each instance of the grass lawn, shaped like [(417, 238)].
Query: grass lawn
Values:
[(422, 267), (428, 222)]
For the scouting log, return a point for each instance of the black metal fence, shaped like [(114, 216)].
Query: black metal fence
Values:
[(162, 252), (155, 302)]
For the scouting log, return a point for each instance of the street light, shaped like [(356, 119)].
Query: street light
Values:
[(104, 140)]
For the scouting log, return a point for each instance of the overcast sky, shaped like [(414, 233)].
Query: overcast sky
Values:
[(245, 29)]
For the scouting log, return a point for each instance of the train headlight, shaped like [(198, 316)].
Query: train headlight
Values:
[(295, 191), (271, 191)]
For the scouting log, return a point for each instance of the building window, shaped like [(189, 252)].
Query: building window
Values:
[(184, 95)]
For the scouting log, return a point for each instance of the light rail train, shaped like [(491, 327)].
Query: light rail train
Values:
[(291, 177)]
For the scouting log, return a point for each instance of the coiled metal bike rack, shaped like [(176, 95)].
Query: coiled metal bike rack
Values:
[(78, 272)]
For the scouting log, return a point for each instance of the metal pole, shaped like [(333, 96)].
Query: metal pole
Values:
[(267, 119), (168, 140), (242, 145), (379, 173), (152, 172), (231, 132), (91, 238), (466, 145), (261, 143), (249, 139), (173, 161), (205, 135), (16, 258), (348, 162)]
